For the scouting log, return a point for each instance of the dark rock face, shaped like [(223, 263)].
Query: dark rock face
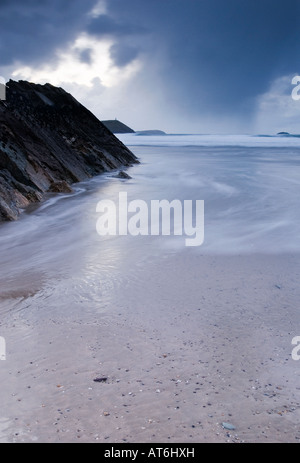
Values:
[(48, 141)]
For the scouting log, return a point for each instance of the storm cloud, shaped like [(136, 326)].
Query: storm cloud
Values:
[(205, 57), (218, 55), (31, 30)]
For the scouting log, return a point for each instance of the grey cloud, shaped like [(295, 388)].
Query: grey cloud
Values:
[(123, 54), (31, 31), (217, 55), (206, 56), (85, 56), (106, 25), (129, 37)]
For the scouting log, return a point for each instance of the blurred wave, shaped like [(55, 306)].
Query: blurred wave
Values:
[(53, 256)]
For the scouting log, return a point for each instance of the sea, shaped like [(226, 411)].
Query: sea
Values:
[(250, 186)]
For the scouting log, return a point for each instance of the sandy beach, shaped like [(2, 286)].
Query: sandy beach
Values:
[(211, 344), (182, 339), (149, 224)]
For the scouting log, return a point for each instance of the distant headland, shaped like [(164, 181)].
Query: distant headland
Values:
[(116, 127)]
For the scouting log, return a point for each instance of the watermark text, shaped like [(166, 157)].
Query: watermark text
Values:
[(296, 350), (296, 89), (2, 349), (160, 217)]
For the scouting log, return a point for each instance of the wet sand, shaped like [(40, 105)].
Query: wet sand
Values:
[(186, 343), (188, 338)]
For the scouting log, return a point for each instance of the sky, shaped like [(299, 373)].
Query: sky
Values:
[(182, 66)]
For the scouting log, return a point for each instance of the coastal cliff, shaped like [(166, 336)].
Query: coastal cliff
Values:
[(48, 141)]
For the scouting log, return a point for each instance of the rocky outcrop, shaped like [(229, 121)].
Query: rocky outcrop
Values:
[(48, 141), (116, 126)]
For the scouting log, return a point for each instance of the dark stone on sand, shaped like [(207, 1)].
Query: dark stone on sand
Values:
[(100, 380), (228, 426), (48, 141), (123, 175)]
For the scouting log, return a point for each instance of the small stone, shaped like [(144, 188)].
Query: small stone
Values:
[(228, 426), (100, 380), (123, 175)]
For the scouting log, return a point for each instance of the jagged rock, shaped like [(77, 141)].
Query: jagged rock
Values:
[(48, 141)]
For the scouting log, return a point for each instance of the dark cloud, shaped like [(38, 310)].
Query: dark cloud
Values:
[(105, 25), (123, 54), (31, 30), (206, 56), (218, 54), (85, 56)]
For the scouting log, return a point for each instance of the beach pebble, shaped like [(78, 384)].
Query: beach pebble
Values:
[(228, 426), (122, 175), (100, 380)]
